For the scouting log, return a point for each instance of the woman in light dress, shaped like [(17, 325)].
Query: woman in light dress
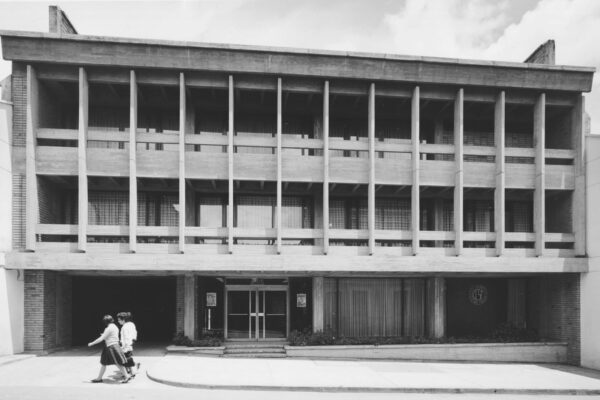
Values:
[(112, 354)]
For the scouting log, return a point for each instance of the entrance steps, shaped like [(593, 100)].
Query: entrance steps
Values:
[(255, 349)]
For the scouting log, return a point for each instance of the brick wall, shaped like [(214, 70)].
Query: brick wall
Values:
[(34, 310), (554, 309), (59, 22), (18, 211), (19, 99), (47, 310)]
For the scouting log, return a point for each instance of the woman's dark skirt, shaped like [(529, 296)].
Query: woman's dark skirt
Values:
[(112, 355)]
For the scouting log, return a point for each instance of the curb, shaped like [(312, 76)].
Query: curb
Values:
[(356, 389)]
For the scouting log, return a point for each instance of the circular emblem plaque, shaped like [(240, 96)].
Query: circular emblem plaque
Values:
[(478, 294)]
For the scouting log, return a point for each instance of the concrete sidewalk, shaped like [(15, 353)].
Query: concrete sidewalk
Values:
[(9, 359), (372, 376)]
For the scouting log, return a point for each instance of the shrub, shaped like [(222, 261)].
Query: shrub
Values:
[(504, 333), (206, 340), (510, 333)]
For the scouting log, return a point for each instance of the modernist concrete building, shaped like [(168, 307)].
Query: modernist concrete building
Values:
[(254, 191)]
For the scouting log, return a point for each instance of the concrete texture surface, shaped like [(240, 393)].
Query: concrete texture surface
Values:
[(67, 375), (371, 376)]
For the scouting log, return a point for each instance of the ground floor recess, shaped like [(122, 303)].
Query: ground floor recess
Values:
[(64, 309)]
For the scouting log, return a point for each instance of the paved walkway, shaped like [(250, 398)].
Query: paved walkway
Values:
[(372, 376), (71, 371)]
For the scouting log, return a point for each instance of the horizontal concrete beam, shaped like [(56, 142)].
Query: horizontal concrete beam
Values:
[(297, 84), (298, 264), (88, 51)]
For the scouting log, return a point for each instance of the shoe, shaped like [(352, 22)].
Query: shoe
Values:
[(96, 381), (126, 379)]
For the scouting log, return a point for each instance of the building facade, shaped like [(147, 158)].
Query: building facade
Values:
[(255, 191)]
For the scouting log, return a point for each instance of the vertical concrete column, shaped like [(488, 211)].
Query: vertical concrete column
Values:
[(189, 306), (133, 109), (459, 173), (415, 190), (326, 167), (318, 293), (539, 200), (279, 166), (371, 194), (579, 194), (182, 125), (438, 204), (230, 169), (82, 161), (500, 192), (32, 214), (516, 302), (436, 293)]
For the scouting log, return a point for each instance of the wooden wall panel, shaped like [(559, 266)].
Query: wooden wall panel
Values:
[(477, 174), (206, 165), (393, 172), (107, 162), (349, 170), (302, 168), (255, 166), (158, 164), (56, 160), (560, 177), (520, 176), (437, 173)]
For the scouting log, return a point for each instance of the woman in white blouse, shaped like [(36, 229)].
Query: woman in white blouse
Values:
[(128, 337), (112, 353)]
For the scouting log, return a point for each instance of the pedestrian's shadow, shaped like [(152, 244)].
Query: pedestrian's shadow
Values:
[(113, 379)]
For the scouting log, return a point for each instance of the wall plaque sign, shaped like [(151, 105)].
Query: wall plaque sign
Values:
[(478, 294), (211, 299), (301, 300)]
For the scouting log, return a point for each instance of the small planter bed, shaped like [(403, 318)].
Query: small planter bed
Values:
[(191, 350), (539, 352), (205, 345), (505, 344)]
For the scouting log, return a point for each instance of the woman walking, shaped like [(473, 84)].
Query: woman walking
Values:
[(111, 353), (128, 337)]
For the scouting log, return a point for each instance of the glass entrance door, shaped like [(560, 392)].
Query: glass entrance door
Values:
[(258, 312)]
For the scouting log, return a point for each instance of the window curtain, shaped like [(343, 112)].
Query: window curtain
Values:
[(108, 208), (359, 307)]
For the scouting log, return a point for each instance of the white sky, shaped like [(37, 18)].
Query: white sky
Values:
[(479, 29)]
